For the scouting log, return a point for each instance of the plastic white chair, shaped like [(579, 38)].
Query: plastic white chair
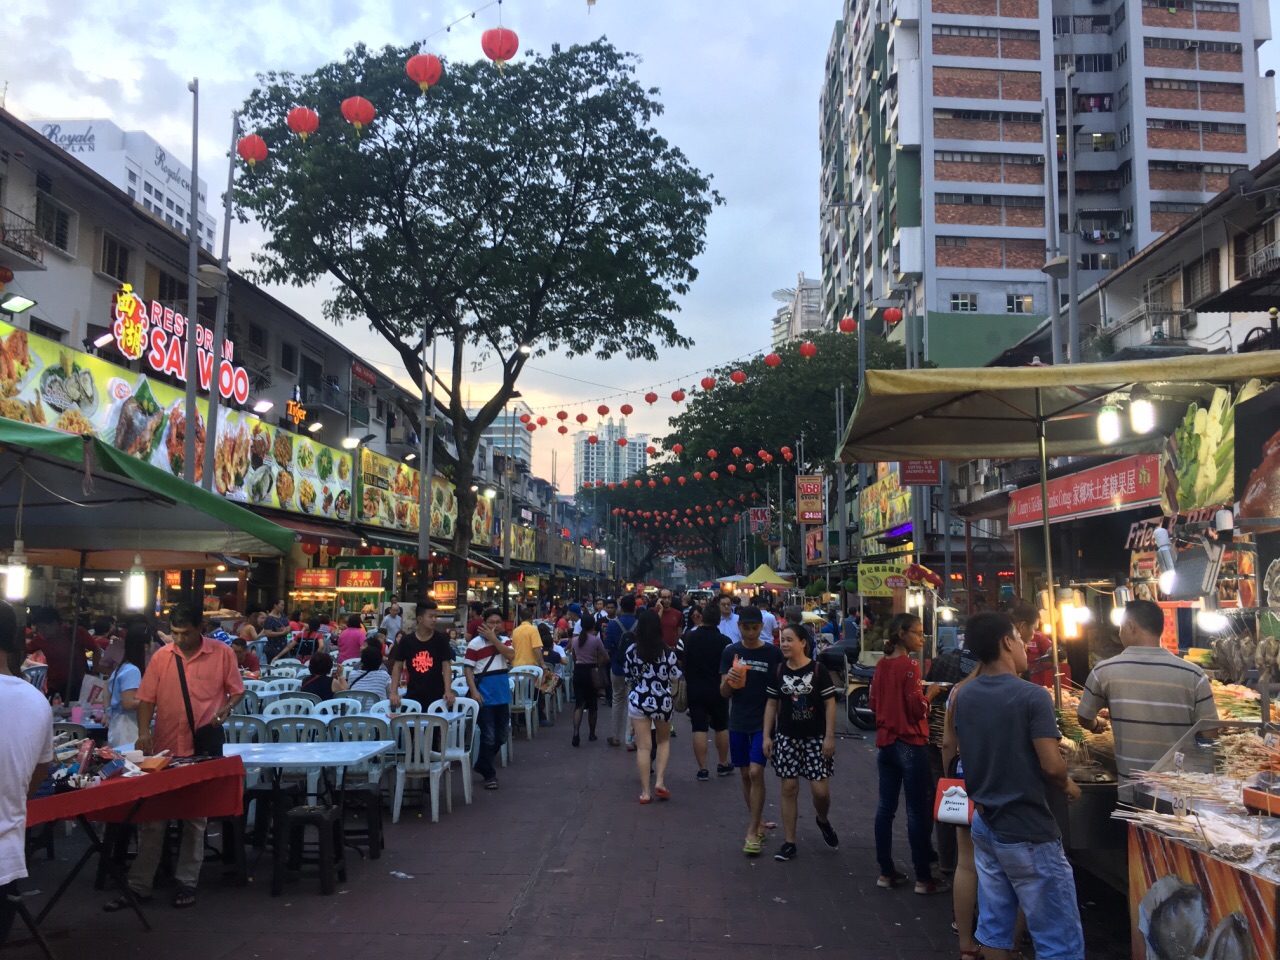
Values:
[(289, 707), (524, 700), (462, 735), (287, 662), (36, 676), (249, 704), (459, 686), (299, 729), (337, 707), (406, 706), (257, 686), (354, 728), (365, 698), (282, 685), (422, 738), (535, 672), (240, 729)]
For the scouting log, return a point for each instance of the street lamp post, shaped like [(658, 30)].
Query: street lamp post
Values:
[(193, 293)]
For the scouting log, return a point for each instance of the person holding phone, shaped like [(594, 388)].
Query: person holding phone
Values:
[(487, 664)]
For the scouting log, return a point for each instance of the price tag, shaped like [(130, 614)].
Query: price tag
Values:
[(1179, 761), (1181, 802)]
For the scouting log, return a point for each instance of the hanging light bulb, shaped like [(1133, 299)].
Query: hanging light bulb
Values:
[(15, 585), (135, 594), (1109, 424), (1142, 413), (1121, 597)]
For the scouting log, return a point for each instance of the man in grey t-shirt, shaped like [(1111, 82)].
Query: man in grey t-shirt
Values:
[(1008, 739)]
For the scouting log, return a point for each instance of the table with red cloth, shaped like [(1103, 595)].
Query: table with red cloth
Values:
[(205, 789)]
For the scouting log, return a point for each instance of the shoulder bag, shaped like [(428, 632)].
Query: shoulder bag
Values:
[(679, 691), (206, 741)]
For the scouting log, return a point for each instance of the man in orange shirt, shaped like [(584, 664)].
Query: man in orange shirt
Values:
[(214, 686)]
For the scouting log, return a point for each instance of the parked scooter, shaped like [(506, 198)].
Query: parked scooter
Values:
[(858, 696)]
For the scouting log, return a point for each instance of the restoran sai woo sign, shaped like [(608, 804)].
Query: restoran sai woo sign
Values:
[(160, 333), (1127, 483)]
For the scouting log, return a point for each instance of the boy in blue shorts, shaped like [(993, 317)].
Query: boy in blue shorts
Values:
[(745, 670)]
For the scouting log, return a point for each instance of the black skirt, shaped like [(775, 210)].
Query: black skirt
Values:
[(585, 693)]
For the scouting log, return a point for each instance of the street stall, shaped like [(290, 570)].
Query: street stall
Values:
[(1122, 409)]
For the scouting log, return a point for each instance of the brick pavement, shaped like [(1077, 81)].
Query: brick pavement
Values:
[(563, 862)]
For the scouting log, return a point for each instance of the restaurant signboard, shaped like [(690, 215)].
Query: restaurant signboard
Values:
[(315, 578), (1122, 485), (356, 580), (809, 499), (884, 504), (920, 473)]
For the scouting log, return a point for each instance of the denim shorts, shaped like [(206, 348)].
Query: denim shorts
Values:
[(1035, 876), (746, 749)]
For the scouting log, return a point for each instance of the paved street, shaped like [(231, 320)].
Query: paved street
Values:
[(563, 862)]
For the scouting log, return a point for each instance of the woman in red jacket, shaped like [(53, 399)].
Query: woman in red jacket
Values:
[(902, 731)]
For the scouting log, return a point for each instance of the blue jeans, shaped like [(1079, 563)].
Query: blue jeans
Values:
[(492, 723), (1035, 876), (905, 766)]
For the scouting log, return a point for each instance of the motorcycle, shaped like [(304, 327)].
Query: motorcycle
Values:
[(843, 661)]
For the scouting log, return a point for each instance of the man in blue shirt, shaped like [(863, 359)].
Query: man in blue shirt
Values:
[(487, 663), (625, 622)]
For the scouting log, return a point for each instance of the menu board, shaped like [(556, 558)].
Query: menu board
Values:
[(523, 543), (42, 382), (389, 495), (884, 504)]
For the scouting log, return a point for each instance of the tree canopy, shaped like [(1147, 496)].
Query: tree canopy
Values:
[(537, 208)]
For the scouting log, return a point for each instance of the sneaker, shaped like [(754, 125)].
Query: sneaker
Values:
[(828, 833), (786, 852), (929, 888), (703, 776), (724, 769), (889, 881)]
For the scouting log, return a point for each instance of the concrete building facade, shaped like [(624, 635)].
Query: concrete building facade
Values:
[(606, 460)]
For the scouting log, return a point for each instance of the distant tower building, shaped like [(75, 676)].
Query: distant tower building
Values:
[(605, 460), (800, 313), (507, 433)]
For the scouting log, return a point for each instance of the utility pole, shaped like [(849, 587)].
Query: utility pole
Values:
[(193, 295), (426, 460), (506, 524), (1051, 227), (220, 317), (1073, 234), (841, 509)]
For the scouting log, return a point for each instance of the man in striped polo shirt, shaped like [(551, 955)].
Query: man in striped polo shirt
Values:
[(1153, 696)]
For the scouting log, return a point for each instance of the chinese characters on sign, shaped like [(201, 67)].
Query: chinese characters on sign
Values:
[(360, 580), (920, 473), (318, 578), (809, 505), (1131, 482), (445, 591)]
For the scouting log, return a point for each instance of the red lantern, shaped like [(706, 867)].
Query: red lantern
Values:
[(787, 455), (531, 427), (712, 454), (593, 439), (303, 121), (677, 395), (680, 480), (719, 503), (310, 549), (542, 421), (708, 383), (772, 360), (732, 468), (715, 475), (525, 418), (563, 429), (738, 377), (651, 398), (697, 474), (562, 415), (667, 481), (622, 441), (6, 275), (737, 451), (768, 458), (364, 551), (626, 409), (808, 350), (602, 410), (677, 448), (638, 483), (612, 486), (424, 70), (750, 467), (892, 315), (499, 45), (848, 325), (762, 454), (581, 418), (786, 451), (251, 148), (358, 112), (651, 450), (652, 484)]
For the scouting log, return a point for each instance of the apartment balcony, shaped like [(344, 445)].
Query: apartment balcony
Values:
[(329, 395), (1152, 323), (1265, 262), (21, 247), (360, 413)]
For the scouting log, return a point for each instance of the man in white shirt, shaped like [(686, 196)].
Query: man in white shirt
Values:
[(729, 619), (26, 750), (769, 634)]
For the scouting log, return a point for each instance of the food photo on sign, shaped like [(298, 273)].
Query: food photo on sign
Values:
[(1257, 475), (1199, 461)]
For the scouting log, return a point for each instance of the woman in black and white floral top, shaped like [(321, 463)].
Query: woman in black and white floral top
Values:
[(651, 672)]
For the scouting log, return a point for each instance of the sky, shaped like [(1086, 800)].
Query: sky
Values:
[(740, 84)]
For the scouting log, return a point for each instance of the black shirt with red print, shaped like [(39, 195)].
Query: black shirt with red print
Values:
[(426, 664)]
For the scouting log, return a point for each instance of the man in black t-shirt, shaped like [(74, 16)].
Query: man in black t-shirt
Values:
[(425, 655)]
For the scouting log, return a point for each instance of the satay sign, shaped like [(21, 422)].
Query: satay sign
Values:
[(160, 335), (368, 581)]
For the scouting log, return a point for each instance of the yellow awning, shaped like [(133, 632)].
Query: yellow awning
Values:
[(762, 574)]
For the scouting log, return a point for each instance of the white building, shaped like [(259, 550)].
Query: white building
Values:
[(800, 313), (154, 177), (507, 433), (606, 460)]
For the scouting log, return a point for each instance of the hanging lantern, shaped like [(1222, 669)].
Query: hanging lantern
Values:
[(563, 429), (715, 475), (767, 458), (708, 383), (712, 454), (602, 410), (677, 448), (310, 549), (251, 149), (772, 360), (677, 396), (612, 486), (639, 483), (652, 484), (666, 481), (751, 467), (787, 455), (581, 418), (424, 70), (651, 398), (531, 427), (738, 377), (848, 325), (762, 454), (680, 480), (364, 551), (719, 503), (737, 451), (303, 121), (733, 468), (626, 409), (892, 315), (542, 421), (499, 45), (622, 441), (786, 451), (697, 474), (651, 450), (358, 112), (562, 415), (525, 418), (593, 439), (808, 350)]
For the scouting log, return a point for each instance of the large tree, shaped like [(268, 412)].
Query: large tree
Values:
[(511, 214)]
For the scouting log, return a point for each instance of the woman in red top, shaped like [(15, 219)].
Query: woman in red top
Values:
[(902, 731), (1026, 620)]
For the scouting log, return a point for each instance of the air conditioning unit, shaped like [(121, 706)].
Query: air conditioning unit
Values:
[(1182, 166), (1113, 234), (397, 434), (1191, 45), (1267, 201), (1039, 158)]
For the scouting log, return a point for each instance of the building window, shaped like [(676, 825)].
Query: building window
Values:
[(1122, 54), (146, 188), (380, 409), (42, 329), (1161, 206), (178, 214), (257, 340), (115, 258), (953, 241), (133, 177), (1217, 46), (288, 357), (1098, 261), (1019, 303), (54, 222), (168, 204), (964, 303), (133, 194), (170, 288)]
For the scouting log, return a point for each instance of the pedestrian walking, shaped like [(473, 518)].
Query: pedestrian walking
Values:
[(589, 660), (651, 672), (902, 733), (487, 663), (745, 669), (1008, 736), (800, 734), (617, 638), (704, 645), (423, 656)]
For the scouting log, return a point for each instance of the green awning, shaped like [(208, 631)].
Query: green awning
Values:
[(79, 493)]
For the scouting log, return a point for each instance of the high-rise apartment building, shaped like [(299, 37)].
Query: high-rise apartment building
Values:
[(940, 176), (508, 433), (800, 313), (606, 460)]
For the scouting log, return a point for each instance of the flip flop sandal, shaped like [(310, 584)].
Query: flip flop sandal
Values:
[(662, 793), (184, 898), (646, 799), (752, 848), (122, 903)]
